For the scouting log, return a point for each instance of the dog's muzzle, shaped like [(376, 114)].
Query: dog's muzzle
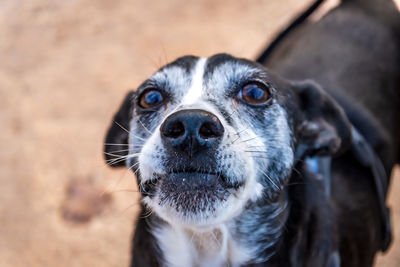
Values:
[(191, 139)]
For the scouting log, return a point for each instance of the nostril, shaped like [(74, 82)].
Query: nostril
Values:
[(174, 130), (210, 130)]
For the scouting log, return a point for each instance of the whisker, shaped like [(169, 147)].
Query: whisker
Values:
[(145, 127), (121, 150), (296, 183), (164, 52), (136, 170), (124, 190), (235, 140), (127, 156), (140, 138), (153, 61), (130, 206), (254, 146), (266, 175), (241, 131), (113, 155), (116, 182), (114, 161), (258, 157), (121, 158), (219, 245), (252, 151), (249, 139), (114, 144), (122, 127), (147, 215), (296, 170), (134, 165), (230, 115)]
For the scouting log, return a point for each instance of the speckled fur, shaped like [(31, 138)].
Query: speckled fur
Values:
[(256, 150)]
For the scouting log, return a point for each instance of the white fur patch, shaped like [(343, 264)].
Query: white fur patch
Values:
[(196, 90), (206, 248)]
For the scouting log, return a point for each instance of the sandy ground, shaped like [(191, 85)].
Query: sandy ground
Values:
[(64, 68)]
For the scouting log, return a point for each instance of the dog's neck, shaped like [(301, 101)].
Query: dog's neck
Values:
[(265, 234), (259, 228), (252, 236)]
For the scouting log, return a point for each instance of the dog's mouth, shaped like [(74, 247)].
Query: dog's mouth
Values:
[(190, 192), (188, 179)]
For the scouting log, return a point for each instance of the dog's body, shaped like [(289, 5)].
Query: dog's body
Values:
[(353, 53), (219, 145)]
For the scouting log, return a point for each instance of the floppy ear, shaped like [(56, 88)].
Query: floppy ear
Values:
[(323, 128), (117, 135)]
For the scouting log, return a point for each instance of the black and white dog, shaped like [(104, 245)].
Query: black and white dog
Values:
[(240, 167)]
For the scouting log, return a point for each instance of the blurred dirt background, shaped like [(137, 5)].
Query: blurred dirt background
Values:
[(64, 68)]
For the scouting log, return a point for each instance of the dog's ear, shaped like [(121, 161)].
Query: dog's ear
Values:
[(323, 128), (116, 143)]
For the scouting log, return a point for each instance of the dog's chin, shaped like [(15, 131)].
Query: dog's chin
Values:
[(193, 198)]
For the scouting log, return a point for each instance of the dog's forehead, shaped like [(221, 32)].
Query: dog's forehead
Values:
[(224, 65)]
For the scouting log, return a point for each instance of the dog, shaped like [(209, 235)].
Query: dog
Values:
[(238, 166)]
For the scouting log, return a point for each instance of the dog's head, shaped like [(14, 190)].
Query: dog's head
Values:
[(206, 136)]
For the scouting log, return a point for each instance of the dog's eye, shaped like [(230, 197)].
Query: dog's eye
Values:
[(254, 93), (150, 98)]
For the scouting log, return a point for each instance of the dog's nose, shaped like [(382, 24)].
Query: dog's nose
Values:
[(191, 130)]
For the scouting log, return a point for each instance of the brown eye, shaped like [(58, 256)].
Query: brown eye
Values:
[(254, 93), (150, 98)]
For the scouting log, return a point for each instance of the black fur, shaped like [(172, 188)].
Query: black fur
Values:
[(117, 134)]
